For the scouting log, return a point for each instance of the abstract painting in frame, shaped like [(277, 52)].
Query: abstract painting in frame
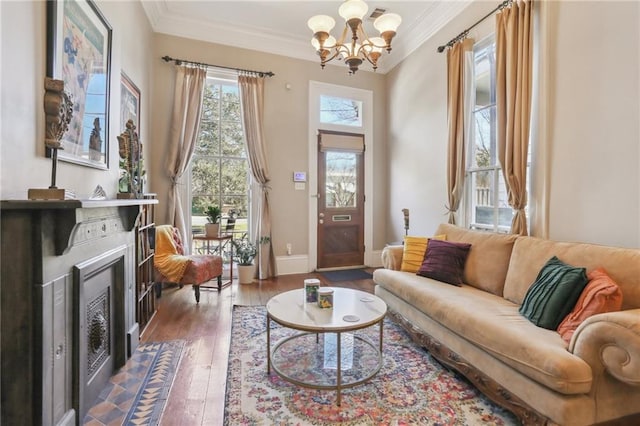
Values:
[(79, 53)]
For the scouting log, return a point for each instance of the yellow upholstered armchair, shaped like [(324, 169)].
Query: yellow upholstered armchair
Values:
[(173, 266)]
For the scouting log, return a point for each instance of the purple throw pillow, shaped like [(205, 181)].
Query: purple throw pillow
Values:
[(444, 261)]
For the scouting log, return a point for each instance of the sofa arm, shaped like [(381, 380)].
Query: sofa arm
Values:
[(392, 257), (611, 342)]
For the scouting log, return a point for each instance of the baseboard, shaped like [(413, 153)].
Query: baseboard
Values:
[(296, 264)]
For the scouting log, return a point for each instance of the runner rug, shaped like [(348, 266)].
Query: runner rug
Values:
[(137, 393), (410, 389)]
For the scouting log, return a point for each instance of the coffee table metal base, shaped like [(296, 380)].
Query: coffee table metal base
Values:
[(320, 381)]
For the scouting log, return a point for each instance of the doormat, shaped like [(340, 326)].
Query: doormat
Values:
[(347, 275), (410, 389), (138, 392)]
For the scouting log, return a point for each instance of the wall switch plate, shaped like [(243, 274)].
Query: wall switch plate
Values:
[(299, 186)]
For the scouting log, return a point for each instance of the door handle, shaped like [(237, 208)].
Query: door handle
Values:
[(315, 196), (321, 215), (321, 221)]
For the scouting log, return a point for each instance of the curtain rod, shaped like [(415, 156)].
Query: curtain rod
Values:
[(465, 32), (180, 61)]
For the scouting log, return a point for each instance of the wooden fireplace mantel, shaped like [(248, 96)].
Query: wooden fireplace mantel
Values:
[(76, 221)]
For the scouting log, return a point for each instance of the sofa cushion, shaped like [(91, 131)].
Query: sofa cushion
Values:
[(487, 263), (495, 325), (554, 293), (600, 295), (531, 253), (414, 251), (444, 261)]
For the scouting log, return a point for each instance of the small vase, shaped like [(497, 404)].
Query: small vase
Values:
[(246, 273), (211, 229)]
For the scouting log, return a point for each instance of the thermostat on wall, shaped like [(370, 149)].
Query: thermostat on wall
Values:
[(299, 176)]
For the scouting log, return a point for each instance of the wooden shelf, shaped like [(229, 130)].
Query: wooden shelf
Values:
[(145, 242)]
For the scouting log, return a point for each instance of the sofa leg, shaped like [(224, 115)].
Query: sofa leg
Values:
[(220, 282), (196, 289)]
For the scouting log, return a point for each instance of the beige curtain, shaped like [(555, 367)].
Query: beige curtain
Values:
[(456, 58), (252, 106), (514, 48), (185, 126)]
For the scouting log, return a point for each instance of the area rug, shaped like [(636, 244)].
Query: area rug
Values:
[(410, 389), (346, 275), (137, 393)]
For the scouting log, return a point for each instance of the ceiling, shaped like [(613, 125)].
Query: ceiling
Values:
[(280, 27)]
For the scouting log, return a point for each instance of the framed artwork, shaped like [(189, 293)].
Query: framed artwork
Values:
[(79, 54), (129, 103)]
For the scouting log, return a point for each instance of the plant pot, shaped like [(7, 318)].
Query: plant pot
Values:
[(246, 273), (211, 229)]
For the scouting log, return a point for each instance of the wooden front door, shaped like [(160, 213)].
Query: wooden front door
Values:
[(340, 200)]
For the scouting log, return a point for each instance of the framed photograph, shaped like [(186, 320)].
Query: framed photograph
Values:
[(79, 53), (129, 103)]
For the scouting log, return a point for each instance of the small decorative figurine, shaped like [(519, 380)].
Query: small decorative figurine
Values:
[(58, 109), (130, 151)]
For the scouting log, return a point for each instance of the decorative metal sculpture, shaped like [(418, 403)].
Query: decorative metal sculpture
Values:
[(405, 213), (58, 109), (130, 150)]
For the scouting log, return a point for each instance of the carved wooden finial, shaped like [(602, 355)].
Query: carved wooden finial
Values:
[(58, 109)]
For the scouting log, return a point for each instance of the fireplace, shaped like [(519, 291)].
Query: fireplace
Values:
[(99, 324), (67, 303)]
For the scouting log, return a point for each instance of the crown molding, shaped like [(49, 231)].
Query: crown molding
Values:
[(163, 20), (432, 20)]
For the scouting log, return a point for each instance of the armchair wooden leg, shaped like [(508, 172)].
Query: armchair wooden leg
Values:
[(196, 289), (220, 282)]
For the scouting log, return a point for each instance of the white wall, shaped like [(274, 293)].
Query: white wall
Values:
[(594, 177), (22, 71), (286, 128), (417, 147), (593, 136)]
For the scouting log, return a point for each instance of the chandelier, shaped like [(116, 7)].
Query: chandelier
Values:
[(359, 47)]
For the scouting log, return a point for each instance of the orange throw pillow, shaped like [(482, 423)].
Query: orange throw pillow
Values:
[(414, 251), (600, 295)]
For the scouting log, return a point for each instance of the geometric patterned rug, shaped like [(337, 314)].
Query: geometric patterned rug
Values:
[(411, 388), (137, 393)]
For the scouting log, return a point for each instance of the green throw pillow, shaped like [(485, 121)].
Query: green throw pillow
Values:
[(553, 294)]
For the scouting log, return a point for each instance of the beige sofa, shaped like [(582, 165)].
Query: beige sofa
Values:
[(477, 329)]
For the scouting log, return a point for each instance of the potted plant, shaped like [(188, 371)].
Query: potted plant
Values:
[(213, 218), (245, 252)]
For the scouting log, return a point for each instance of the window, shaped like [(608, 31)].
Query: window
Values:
[(219, 168), (486, 199), (335, 110)]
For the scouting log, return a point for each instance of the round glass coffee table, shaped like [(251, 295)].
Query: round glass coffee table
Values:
[(328, 353)]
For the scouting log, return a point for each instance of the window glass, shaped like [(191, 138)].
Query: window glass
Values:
[(219, 168), (334, 110), (486, 198)]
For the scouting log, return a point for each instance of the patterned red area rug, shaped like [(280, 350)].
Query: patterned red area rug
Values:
[(410, 389)]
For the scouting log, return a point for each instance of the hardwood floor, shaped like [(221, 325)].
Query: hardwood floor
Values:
[(197, 395)]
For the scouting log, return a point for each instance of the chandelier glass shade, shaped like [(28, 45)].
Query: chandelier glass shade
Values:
[(353, 46)]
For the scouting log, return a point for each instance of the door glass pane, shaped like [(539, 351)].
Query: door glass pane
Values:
[(341, 179), (347, 112)]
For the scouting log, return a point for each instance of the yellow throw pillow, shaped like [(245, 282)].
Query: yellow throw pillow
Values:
[(413, 252)]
